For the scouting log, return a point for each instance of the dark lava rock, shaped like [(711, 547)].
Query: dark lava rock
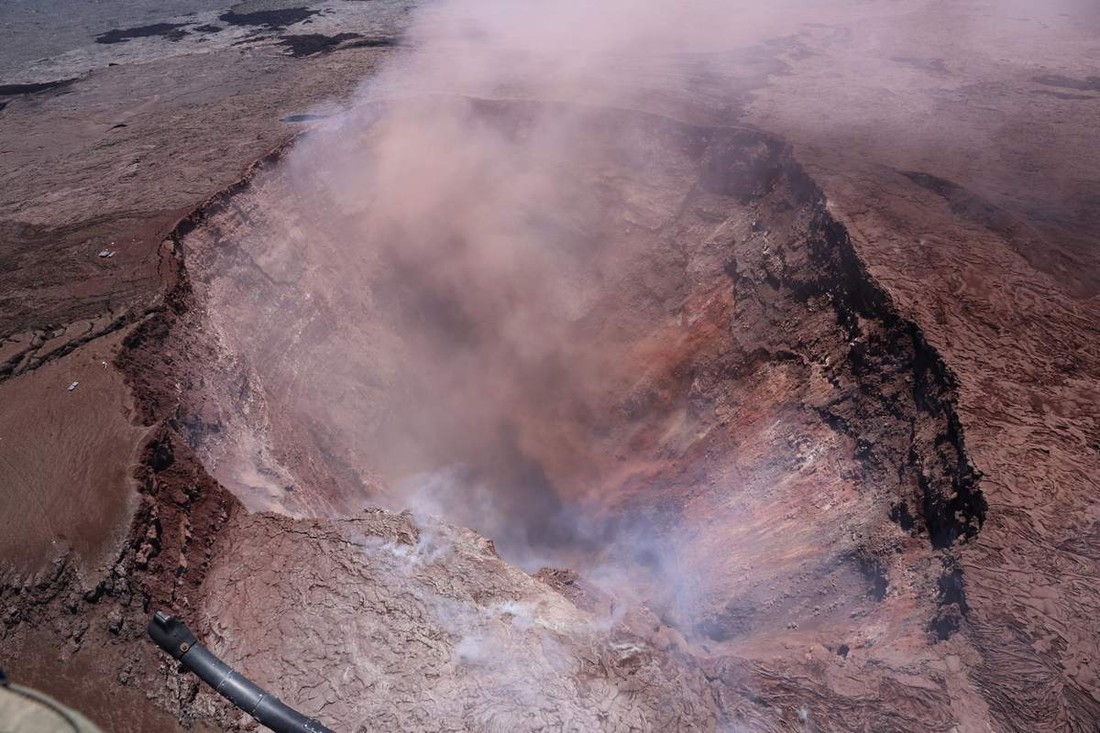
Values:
[(11, 90), (309, 44), (1088, 84), (271, 19), (170, 31)]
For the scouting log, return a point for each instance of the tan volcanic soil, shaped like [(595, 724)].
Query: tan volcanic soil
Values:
[(75, 498), (974, 283), (112, 163)]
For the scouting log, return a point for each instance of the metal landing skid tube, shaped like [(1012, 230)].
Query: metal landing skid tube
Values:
[(173, 636)]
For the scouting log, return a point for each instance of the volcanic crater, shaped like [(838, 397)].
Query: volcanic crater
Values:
[(678, 380)]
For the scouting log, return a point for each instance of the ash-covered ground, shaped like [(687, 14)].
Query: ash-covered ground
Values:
[(579, 366)]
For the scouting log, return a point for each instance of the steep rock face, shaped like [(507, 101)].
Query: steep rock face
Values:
[(729, 421), (809, 301), (1022, 348)]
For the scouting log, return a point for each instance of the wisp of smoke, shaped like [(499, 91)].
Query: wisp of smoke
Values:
[(491, 224)]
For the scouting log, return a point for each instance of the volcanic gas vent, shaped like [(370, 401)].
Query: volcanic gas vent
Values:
[(606, 339)]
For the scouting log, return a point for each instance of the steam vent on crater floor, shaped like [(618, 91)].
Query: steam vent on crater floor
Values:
[(482, 365)]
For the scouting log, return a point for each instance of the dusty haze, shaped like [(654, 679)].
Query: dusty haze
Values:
[(483, 331)]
